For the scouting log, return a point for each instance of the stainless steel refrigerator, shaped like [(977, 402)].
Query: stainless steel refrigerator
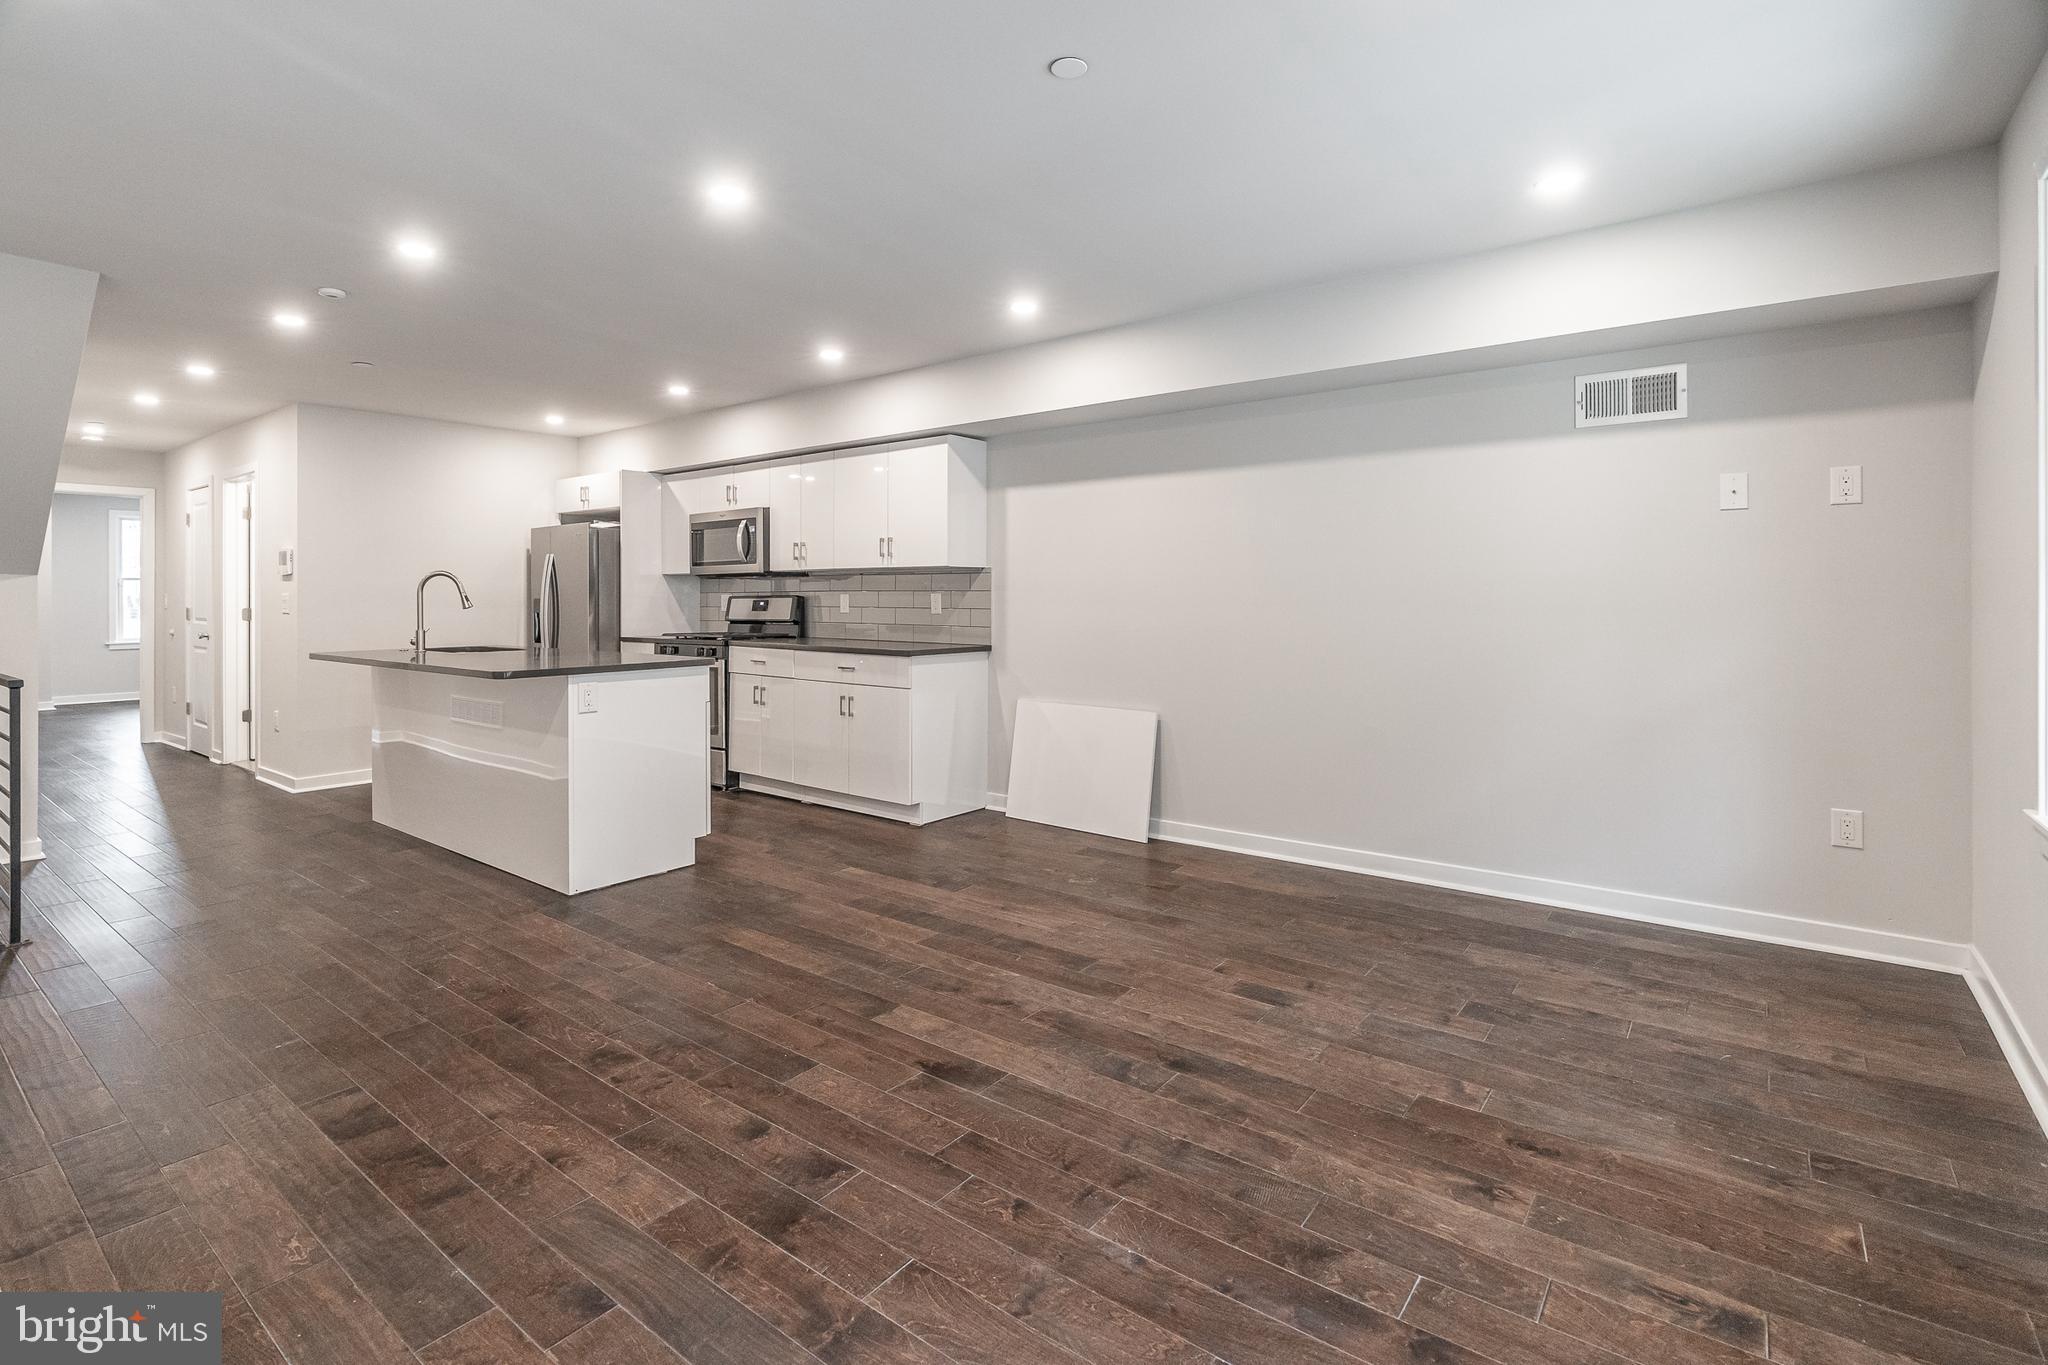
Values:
[(572, 587)]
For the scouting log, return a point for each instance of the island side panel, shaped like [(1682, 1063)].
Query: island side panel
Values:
[(639, 773), (477, 766)]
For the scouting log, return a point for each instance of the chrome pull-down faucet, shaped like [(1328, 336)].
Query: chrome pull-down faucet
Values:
[(419, 636)]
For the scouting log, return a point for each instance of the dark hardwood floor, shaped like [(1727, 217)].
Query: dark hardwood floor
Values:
[(979, 1092)]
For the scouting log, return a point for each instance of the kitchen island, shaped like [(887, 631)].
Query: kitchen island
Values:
[(574, 770)]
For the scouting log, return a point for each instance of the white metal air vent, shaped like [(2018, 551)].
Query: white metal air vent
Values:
[(477, 711), (1653, 395)]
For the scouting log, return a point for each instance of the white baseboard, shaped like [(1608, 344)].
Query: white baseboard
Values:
[(2021, 1055), (320, 782), (166, 737), (31, 851), (95, 698), (1728, 921)]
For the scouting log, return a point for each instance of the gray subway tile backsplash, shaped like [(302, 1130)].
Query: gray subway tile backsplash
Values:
[(881, 606)]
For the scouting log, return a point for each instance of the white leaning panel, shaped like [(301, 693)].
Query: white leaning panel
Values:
[(1083, 767)]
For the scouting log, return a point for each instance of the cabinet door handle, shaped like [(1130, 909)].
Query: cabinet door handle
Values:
[(849, 706), (881, 547), (892, 547), (842, 703), (846, 668)]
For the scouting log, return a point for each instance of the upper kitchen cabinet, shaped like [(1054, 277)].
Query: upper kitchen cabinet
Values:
[(915, 507), (588, 495), (801, 514)]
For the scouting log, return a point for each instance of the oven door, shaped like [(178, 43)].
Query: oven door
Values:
[(733, 542)]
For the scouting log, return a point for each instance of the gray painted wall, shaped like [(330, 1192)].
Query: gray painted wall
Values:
[(1431, 619), (77, 662)]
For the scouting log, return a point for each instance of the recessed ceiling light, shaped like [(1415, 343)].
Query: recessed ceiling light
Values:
[(328, 291), (1069, 68), (679, 390), (831, 355), (88, 436), (145, 399), (1561, 181), (289, 321), (93, 428), (726, 194), (1024, 305), (199, 369), (418, 250), (554, 419), (362, 364)]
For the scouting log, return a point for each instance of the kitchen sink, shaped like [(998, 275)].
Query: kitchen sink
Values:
[(476, 649)]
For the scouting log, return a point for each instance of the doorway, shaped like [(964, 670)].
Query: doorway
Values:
[(237, 623), (100, 593), (199, 653)]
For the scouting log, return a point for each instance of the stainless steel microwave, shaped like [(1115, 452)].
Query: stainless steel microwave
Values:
[(732, 542)]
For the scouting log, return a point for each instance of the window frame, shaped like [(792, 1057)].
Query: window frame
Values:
[(117, 517)]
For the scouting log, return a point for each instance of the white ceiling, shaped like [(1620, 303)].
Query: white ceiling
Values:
[(915, 164)]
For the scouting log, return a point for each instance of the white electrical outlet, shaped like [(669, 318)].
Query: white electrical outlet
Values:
[(276, 721), (1734, 492), (845, 603), (1845, 828), (936, 607), (1845, 485), (586, 698)]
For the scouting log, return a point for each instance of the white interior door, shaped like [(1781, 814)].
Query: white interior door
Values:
[(878, 743), (238, 629), (199, 655), (917, 507), (860, 504)]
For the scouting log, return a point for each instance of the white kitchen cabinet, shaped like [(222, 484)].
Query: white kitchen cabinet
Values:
[(860, 510), (921, 506), (877, 742), (907, 740), (587, 494), (761, 727), (801, 514), (675, 526)]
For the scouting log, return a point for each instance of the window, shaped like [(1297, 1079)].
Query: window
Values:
[(124, 537)]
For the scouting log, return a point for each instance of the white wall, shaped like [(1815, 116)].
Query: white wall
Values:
[(78, 662), (1431, 620), (21, 656), (383, 500), (44, 311), (2011, 915), (1859, 245)]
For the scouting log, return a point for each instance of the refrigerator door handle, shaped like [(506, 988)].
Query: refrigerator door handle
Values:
[(549, 612)]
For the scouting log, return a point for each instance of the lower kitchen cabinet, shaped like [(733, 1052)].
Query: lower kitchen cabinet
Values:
[(908, 740)]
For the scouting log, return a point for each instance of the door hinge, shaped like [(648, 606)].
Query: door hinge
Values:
[(245, 715), (188, 613), (188, 708), (188, 518), (245, 613), (245, 513)]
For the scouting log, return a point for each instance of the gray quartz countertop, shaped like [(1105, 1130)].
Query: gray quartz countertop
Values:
[(894, 648), (511, 663)]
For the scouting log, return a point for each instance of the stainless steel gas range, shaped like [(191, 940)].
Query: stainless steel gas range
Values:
[(758, 616)]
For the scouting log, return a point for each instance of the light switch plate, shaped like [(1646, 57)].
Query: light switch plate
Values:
[(1845, 485), (936, 607), (1734, 492), (845, 603)]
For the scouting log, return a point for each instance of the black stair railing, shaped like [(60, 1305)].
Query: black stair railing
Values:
[(10, 788)]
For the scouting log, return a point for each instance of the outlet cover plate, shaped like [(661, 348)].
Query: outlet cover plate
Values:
[(1845, 828), (1734, 492)]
